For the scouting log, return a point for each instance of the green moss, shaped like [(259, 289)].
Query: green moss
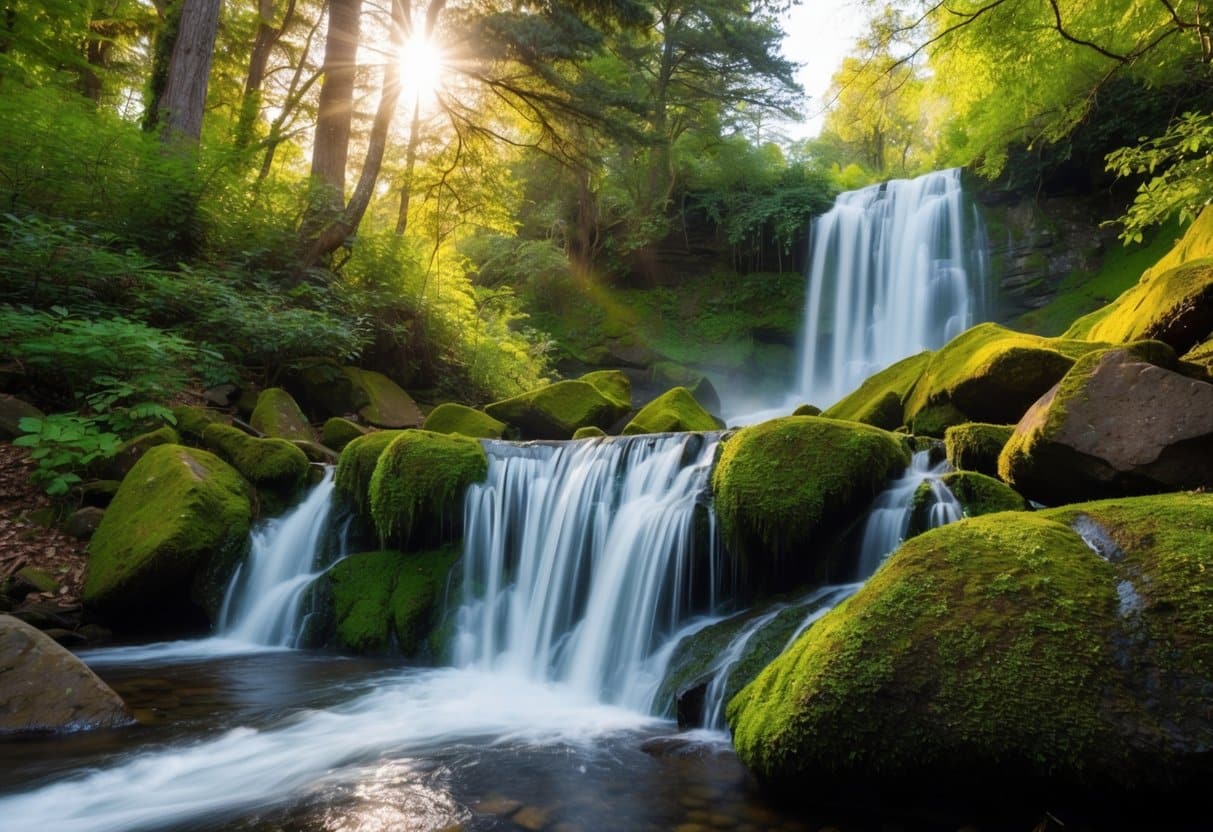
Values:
[(277, 415), (267, 463), (613, 384), (975, 446), (980, 494), (130, 451), (1202, 356), (878, 400), (1172, 307), (419, 481), (982, 645), (466, 421), (357, 464), (556, 411), (588, 432), (387, 405), (176, 510), (782, 486), (988, 374), (808, 410), (387, 598), (191, 421), (673, 411), (338, 432)]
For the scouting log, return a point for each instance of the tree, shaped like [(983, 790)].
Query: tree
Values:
[(331, 141)]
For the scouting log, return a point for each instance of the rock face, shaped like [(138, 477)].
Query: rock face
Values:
[(675, 410), (975, 446), (388, 598), (783, 488), (556, 411), (1005, 648), (1116, 424), (179, 512), (278, 416), (418, 484), (466, 421), (43, 687)]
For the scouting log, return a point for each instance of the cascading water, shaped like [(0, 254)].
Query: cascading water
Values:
[(891, 514), (895, 268), (580, 560)]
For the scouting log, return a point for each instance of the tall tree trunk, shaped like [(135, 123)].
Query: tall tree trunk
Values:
[(162, 54), (410, 164), (184, 100), (330, 148), (263, 44)]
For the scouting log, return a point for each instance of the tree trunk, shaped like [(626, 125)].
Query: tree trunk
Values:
[(184, 100), (410, 164), (263, 44), (330, 148), (162, 53)]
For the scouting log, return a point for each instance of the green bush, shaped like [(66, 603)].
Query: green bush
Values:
[(63, 445)]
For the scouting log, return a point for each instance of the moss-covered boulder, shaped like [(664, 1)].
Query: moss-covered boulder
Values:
[(878, 401), (278, 416), (338, 432), (418, 484), (613, 384), (588, 432), (975, 446), (192, 421), (674, 411), (180, 511), (466, 421), (382, 402), (665, 374), (352, 479), (987, 374), (274, 465), (807, 410), (389, 600), (1003, 648), (1172, 303), (131, 450), (783, 487), (556, 411), (979, 494), (1116, 424)]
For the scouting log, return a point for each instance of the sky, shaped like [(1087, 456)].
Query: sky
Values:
[(820, 33)]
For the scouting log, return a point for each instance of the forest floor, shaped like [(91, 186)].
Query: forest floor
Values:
[(24, 542)]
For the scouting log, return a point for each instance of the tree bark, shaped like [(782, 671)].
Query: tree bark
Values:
[(263, 44), (184, 101), (330, 148), (410, 164)]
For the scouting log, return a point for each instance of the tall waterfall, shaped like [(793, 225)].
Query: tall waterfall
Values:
[(896, 268), (581, 559)]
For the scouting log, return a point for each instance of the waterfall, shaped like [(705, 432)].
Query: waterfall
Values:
[(895, 268), (580, 560), (891, 514), (263, 600)]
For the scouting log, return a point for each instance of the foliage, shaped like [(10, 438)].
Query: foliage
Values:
[(63, 445)]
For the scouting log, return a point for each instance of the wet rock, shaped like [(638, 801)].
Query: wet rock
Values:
[(83, 523), (221, 395), (12, 411), (45, 688), (533, 818)]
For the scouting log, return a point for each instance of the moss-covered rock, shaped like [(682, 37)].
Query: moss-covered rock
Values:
[(178, 510), (975, 446), (1004, 647), (130, 451), (674, 411), (387, 599), (418, 483), (665, 374), (192, 421), (274, 464), (588, 432), (878, 401), (278, 416), (338, 432), (352, 479), (466, 421), (613, 384), (783, 487), (1173, 301), (987, 374), (807, 410), (1117, 423), (387, 405), (315, 452), (556, 411), (979, 494)]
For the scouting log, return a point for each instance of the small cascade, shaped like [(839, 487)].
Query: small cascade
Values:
[(891, 514), (713, 699), (264, 599), (581, 560), (896, 268)]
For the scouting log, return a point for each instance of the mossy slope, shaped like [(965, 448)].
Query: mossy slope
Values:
[(466, 421), (419, 480), (176, 510), (673, 411)]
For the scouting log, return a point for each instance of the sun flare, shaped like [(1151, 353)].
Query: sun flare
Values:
[(422, 67)]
